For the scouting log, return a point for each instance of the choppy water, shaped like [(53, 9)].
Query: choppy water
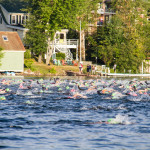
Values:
[(34, 120)]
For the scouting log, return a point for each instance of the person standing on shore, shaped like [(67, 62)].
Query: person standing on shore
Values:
[(80, 67), (93, 69), (115, 68), (88, 69)]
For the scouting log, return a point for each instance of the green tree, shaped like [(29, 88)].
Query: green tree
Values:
[(36, 38), (122, 40), (49, 16), (133, 16)]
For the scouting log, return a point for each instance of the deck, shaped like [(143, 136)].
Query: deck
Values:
[(122, 74)]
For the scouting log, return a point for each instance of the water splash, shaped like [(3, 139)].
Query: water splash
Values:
[(119, 119)]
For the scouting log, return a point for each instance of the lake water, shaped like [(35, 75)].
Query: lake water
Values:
[(31, 119)]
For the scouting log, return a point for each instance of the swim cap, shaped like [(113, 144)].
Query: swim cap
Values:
[(86, 84), (67, 87), (113, 94), (2, 98), (7, 89), (109, 120), (113, 121), (72, 90), (59, 89)]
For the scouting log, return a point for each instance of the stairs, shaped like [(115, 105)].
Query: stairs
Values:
[(68, 54)]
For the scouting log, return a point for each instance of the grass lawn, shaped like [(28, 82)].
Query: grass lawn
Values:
[(44, 69)]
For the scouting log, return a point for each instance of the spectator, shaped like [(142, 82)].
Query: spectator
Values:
[(80, 67), (88, 69), (93, 69), (115, 68)]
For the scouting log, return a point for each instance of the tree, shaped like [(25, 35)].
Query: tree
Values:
[(49, 16), (36, 39), (133, 16), (121, 41)]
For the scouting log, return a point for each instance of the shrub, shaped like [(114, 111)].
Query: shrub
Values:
[(53, 71), (85, 71), (60, 56), (28, 63), (27, 54)]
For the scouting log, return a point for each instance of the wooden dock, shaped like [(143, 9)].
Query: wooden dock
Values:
[(122, 74)]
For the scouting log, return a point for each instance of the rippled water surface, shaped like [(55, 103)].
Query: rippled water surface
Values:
[(45, 120)]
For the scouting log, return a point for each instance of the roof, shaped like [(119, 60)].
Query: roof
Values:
[(2, 14), (12, 41), (14, 5)]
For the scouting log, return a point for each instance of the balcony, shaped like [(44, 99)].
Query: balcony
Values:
[(109, 11), (68, 43), (105, 11)]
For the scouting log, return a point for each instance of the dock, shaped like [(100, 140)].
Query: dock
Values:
[(122, 74)]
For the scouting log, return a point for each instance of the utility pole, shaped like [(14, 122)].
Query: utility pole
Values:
[(80, 41)]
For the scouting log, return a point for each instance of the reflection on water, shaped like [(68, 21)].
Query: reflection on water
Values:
[(42, 114)]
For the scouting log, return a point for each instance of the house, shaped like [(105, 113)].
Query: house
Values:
[(13, 50), (12, 18), (102, 16)]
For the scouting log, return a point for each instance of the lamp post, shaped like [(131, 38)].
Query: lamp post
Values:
[(80, 41)]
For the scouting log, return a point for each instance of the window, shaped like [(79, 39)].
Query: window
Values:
[(61, 36), (22, 19), (13, 19), (19, 21), (1, 19), (4, 37), (10, 19)]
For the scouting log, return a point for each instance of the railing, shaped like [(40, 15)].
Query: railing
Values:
[(102, 11), (109, 10), (72, 42), (63, 46), (66, 42), (68, 54)]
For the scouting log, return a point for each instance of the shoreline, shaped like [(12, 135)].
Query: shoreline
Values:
[(75, 74)]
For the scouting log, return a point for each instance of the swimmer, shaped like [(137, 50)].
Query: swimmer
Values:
[(109, 121), (2, 91), (75, 96), (78, 96)]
